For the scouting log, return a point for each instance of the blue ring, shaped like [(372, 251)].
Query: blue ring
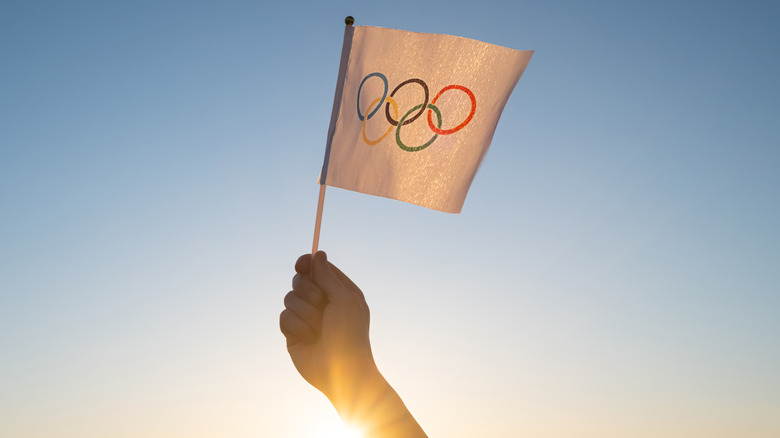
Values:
[(384, 79)]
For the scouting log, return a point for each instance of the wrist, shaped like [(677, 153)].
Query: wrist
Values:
[(354, 383), (373, 407)]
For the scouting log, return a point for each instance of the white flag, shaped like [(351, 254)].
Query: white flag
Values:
[(414, 113)]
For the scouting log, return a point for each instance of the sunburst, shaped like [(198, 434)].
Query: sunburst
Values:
[(337, 429)]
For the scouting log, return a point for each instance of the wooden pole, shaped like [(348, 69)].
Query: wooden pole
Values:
[(318, 221)]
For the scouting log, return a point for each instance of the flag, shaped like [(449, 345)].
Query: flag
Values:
[(414, 113)]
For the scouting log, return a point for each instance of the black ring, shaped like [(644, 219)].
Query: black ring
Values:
[(422, 108)]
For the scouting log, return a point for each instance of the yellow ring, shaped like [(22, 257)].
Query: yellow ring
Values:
[(365, 119)]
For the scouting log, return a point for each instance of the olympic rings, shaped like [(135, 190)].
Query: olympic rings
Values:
[(390, 101), (409, 117)]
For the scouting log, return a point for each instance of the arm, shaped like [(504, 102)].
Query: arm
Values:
[(326, 322)]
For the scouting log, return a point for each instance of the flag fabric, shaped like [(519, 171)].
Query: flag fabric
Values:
[(414, 113)]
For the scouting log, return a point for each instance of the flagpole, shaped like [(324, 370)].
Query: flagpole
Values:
[(349, 21), (318, 221)]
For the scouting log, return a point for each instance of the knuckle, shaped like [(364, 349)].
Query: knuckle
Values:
[(283, 320), (296, 281), (289, 299)]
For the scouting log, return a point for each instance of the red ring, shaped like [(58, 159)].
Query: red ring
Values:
[(465, 122)]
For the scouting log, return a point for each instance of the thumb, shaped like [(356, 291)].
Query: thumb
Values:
[(329, 281)]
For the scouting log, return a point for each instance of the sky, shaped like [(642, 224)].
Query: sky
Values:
[(614, 271)]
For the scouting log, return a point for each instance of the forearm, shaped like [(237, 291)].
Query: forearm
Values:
[(367, 401)]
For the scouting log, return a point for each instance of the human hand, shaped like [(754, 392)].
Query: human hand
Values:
[(326, 322)]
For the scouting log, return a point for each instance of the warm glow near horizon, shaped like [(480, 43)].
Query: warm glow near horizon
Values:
[(335, 428)]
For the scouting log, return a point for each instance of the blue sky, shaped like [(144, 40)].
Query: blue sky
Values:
[(613, 273)]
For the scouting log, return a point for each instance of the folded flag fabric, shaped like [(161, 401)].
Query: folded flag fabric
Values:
[(414, 113)]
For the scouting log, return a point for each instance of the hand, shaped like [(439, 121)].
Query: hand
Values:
[(326, 322)]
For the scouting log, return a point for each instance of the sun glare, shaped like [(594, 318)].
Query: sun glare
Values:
[(338, 430)]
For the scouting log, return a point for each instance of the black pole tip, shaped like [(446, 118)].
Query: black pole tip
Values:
[(349, 21)]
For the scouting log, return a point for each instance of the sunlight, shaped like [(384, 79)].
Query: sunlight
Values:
[(337, 430)]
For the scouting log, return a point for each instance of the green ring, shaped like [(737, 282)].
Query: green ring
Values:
[(401, 122)]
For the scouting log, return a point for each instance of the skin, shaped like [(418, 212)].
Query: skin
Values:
[(326, 323)]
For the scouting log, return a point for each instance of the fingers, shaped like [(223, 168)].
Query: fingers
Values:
[(316, 283), (304, 311), (334, 283), (302, 264), (294, 329), (301, 319), (305, 288)]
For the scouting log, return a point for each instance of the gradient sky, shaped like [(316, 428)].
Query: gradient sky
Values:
[(615, 271)]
